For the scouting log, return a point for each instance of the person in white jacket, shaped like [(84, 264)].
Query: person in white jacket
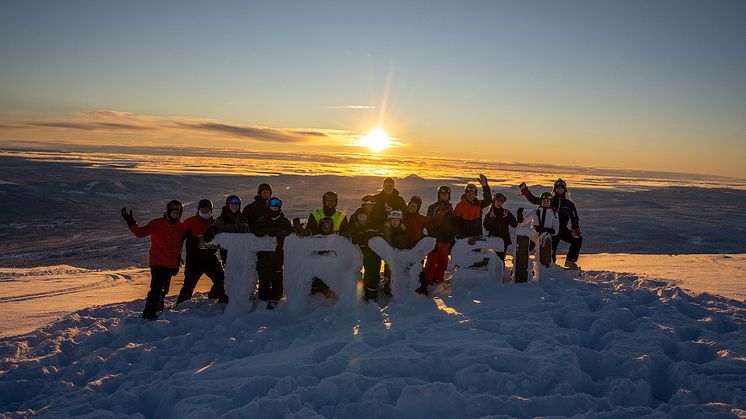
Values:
[(543, 219)]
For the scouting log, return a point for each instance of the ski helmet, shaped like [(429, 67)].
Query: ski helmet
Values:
[(470, 186), (444, 189), (497, 196), (174, 205), (546, 195), (274, 202), (204, 203), (368, 199), (233, 199), (395, 214), (329, 194), (559, 183)]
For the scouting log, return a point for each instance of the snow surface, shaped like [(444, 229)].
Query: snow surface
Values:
[(465, 256), (601, 345)]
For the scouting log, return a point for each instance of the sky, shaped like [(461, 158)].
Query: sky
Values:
[(654, 85)]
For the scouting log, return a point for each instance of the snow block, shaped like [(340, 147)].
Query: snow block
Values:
[(406, 264), (240, 267), (333, 258), (478, 261)]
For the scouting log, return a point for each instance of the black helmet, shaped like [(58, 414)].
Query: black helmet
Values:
[(497, 196), (232, 199), (444, 189), (470, 186), (174, 205), (559, 183), (204, 203), (274, 202)]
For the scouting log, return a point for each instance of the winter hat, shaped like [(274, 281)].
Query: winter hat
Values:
[(395, 214), (417, 200), (174, 205), (264, 187), (204, 203)]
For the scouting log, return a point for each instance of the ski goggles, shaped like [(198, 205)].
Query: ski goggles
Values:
[(234, 201), (274, 202)]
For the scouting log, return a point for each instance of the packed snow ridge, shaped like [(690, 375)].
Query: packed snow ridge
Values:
[(598, 345)]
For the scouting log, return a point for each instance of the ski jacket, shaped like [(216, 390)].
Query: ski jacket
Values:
[(382, 200), (415, 225), (566, 211), (543, 220), (360, 233), (165, 241), (228, 222), (441, 221), (254, 211), (498, 225), (340, 220), (194, 227), (468, 215), (279, 227), (396, 237)]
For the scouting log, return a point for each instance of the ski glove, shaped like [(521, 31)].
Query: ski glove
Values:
[(524, 188), (482, 180), (576, 232), (128, 217), (520, 215)]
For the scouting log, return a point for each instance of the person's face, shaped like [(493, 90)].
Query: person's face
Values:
[(274, 208), (388, 187), (470, 194), (362, 218), (546, 202), (330, 202), (265, 194), (325, 228), (234, 207), (443, 196), (175, 213), (559, 190), (412, 208), (205, 210), (395, 222), (498, 203)]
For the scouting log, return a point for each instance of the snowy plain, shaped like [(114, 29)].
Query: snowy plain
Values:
[(652, 327)]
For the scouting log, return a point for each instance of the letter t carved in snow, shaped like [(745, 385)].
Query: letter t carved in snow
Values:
[(240, 267)]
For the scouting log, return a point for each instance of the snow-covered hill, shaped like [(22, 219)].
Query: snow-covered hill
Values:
[(601, 345)]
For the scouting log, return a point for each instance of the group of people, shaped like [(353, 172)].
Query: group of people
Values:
[(385, 214)]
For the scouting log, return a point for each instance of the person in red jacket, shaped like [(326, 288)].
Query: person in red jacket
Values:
[(201, 260), (166, 236), (414, 222)]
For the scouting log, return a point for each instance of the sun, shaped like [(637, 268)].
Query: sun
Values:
[(376, 140)]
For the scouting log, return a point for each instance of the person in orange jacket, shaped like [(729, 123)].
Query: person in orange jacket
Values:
[(166, 237), (467, 215)]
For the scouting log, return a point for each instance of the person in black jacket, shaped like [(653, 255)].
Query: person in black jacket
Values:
[(257, 209), (361, 229), (269, 265), (569, 222), (498, 221), (387, 200)]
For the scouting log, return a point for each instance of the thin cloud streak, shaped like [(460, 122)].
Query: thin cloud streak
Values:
[(352, 107)]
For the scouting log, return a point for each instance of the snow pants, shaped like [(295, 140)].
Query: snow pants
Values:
[(203, 265), (270, 271), (566, 235), (160, 282), (372, 274), (437, 263)]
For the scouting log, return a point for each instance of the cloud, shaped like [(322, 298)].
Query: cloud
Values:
[(352, 107), (115, 122)]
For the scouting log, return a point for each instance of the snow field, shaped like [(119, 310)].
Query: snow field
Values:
[(601, 345)]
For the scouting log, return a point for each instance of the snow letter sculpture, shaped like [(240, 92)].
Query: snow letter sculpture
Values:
[(526, 228), (240, 268), (333, 259), (478, 261), (406, 264)]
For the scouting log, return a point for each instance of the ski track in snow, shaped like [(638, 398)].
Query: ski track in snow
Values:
[(602, 345)]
